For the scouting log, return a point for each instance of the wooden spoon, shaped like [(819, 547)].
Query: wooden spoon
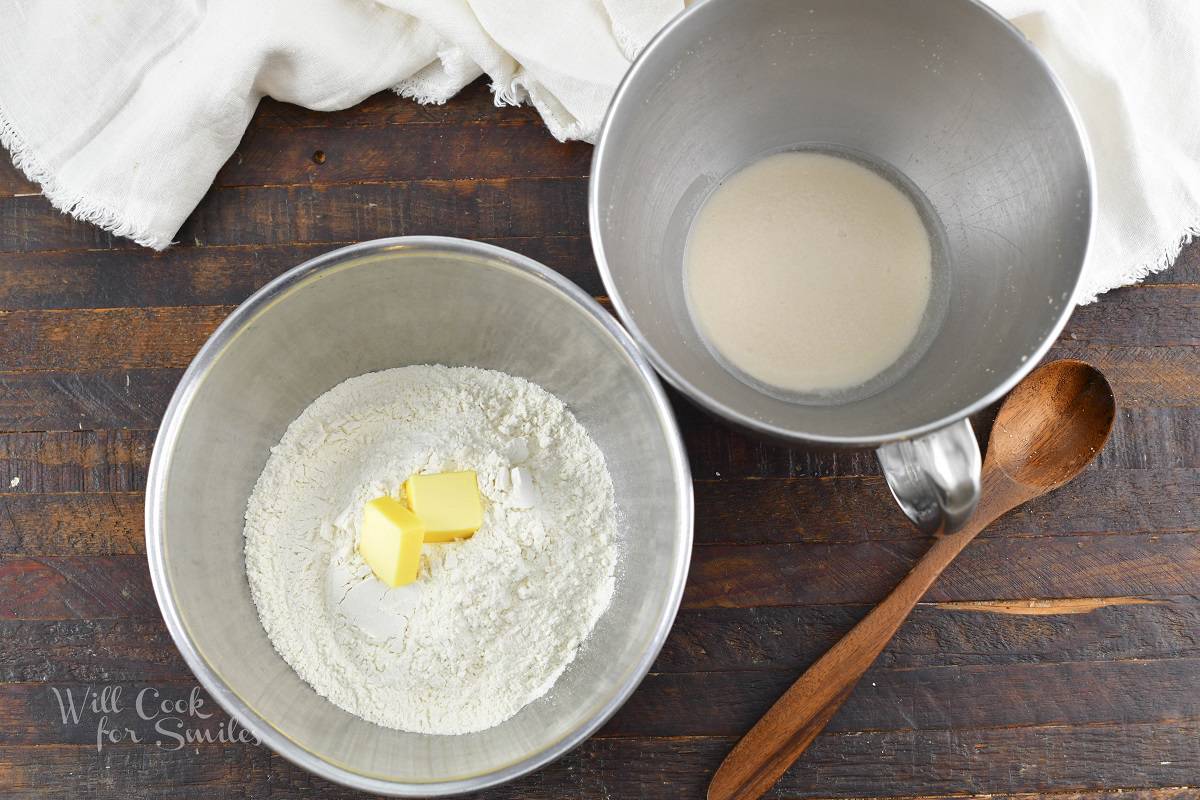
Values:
[(1050, 427)]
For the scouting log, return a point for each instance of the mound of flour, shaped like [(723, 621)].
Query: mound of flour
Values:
[(492, 621)]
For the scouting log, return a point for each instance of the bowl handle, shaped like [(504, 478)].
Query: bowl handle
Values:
[(935, 478)]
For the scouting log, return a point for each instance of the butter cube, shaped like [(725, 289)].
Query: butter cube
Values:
[(448, 504), (390, 541)]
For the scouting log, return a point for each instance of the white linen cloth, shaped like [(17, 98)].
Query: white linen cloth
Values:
[(124, 112)]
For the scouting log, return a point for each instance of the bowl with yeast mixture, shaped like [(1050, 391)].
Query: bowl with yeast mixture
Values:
[(845, 224), (366, 310)]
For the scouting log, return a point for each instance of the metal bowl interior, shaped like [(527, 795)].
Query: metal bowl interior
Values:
[(944, 93), (371, 307)]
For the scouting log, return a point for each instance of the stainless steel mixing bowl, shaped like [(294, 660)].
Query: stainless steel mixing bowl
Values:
[(370, 307), (943, 94)]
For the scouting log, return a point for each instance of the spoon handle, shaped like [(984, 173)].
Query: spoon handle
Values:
[(790, 726)]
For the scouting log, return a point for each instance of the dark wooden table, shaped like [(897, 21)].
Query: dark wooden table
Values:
[(1060, 656)]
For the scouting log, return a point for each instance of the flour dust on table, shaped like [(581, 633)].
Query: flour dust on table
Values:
[(491, 621)]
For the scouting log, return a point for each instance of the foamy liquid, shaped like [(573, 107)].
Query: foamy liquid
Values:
[(809, 272)]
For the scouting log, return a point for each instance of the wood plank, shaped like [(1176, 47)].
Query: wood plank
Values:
[(12, 180), (791, 638), (75, 523), (237, 772), (62, 400), (46, 343), (282, 215), (1159, 316), (168, 337), (732, 576), (289, 156), (769, 511), (29, 222), (1168, 437), (1142, 376), (925, 699), (1142, 438), (905, 763), (766, 511), (75, 461), (55, 398), (785, 639), (717, 451), (1185, 270), (89, 650), (1150, 564), (1073, 762), (71, 587), (1163, 793), (106, 338), (184, 275), (474, 105), (187, 275), (858, 509)]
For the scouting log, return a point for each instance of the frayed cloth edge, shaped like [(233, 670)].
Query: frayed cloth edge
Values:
[(1165, 259), (65, 199)]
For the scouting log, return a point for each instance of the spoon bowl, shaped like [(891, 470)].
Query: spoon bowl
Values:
[(1052, 425)]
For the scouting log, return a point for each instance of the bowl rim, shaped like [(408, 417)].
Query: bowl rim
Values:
[(162, 456), (778, 432)]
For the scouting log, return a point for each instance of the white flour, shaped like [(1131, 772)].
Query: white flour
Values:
[(492, 621)]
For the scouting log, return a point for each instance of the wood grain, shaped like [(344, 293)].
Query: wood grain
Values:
[(75, 461), (37, 521), (911, 764), (499, 207), (927, 699), (70, 587), (73, 523), (190, 275), (88, 650), (56, 400), (1162, 316), (1168, 438), (1144, 439), (133, 338), (270, 156), (474, 105), (1185, 270), (860, 509), (781, 639), (1098, 565), (789, 638), (50, 397), (1142, 376), (730, 576), (939, 698)]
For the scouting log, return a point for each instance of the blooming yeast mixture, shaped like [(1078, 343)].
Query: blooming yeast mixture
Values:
[(809, 272), (491, 621)]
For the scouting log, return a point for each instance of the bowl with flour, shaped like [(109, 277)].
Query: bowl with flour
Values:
[(330, 387)]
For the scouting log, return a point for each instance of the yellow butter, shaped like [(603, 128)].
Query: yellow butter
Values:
[(448, 503), (390, 541)]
